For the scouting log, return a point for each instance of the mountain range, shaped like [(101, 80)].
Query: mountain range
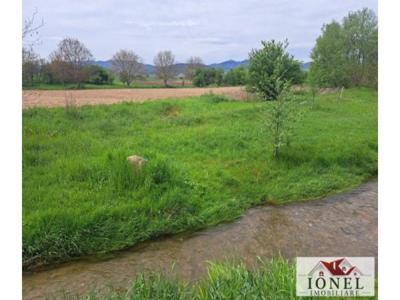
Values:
[(180, 67)]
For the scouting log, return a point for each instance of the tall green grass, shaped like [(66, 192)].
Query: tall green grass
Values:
[(209, 160), (273, 280)]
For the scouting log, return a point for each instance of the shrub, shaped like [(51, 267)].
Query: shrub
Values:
[(208, 76), (236, 76), (98, 75)]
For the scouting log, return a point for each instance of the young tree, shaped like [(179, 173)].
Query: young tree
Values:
[(270, 68), (164, 63), (192, 65), (281, 118), (313, 85), (69, 60), (127, 65)]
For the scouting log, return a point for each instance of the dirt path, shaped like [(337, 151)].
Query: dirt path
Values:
[(342, 225), (31, 98)]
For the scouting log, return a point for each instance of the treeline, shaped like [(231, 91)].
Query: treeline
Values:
[(70, 63), (346, 54)]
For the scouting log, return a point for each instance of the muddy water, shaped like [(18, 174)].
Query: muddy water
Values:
[(342, 225)]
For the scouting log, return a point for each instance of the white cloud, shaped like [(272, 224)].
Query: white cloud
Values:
[(214, 30)]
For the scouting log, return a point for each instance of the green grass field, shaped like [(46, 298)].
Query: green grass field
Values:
[(275, 280), (208, 161)]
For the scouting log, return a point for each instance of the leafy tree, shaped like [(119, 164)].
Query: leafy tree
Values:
[(99, 75), (208, 76), (164, 63), (360, 33), (236, 76), (329, 61), (271, 68), (347, 54), (127, 65), (371, 68), (70, 59)]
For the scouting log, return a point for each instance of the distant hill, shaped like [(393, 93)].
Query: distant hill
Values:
[(229, 64), (180, 67), (306, 66)]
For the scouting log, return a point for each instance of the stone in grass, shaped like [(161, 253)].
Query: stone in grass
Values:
[(136, 161)]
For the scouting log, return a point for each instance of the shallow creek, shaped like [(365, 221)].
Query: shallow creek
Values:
[(341, 225)]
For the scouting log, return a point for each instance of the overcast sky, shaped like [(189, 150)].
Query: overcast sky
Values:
[(215, 30)]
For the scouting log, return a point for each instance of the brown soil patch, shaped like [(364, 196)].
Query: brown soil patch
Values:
[(109, 96)]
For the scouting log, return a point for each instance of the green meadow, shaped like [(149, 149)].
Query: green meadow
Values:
[(209, 159), (273, 279)]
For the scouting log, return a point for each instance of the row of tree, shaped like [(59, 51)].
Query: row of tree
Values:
[(345, 54), (72, 62)]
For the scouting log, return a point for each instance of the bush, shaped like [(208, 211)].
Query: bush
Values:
[(236, 76), (271, 68), (98, 75), (208, 76)]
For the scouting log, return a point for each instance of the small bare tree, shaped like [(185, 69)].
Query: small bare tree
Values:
[(192, 64), (127, 65), (30, 30), (31, 62), (164, 62), (69, 60)]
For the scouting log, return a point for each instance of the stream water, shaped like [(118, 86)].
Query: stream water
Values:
[(341, 225)]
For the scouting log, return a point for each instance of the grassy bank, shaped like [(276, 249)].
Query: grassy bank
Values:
[(208, 161), (275, 279)]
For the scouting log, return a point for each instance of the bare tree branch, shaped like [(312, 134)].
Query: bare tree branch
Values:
[(127, 65), (165, 66), (30, 28)]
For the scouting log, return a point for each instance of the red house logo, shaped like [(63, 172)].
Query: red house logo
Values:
[(335, 276), (338, 267)]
